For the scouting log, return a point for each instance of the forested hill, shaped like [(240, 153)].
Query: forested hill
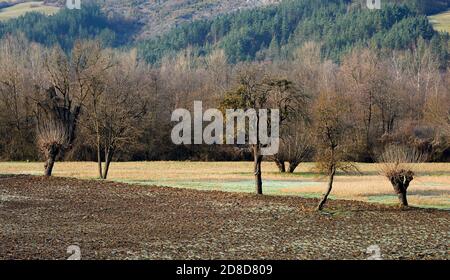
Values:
[(259, 33), (276, 31)]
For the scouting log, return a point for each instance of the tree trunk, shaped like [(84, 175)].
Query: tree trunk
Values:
[(400, 182), (108, 158), (52, 153), (281, 165), (402, 197), (292, 166), (100, 167), (258, 173), (330, 187), (98, 138), (99, 158)]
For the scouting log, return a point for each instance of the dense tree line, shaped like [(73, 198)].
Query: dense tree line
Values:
[(400, 96)]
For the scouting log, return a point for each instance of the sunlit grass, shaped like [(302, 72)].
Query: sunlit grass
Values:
[(23, 8), (431, 188), (441, 22)]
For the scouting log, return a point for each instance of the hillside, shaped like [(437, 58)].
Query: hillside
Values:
[(277, 31), (159, 16), (245, 30)]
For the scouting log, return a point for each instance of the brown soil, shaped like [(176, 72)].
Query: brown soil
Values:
[(40, 218)]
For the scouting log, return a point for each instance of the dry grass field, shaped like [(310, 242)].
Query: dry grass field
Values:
[(23, 8), (431, 188), (441, 22)]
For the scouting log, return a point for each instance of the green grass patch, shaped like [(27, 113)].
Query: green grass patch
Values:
[(276, 187), (386, 199)]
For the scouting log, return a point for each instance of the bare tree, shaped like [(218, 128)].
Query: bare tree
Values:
[(333, 137), (364, 78), (250, 94), (16, 122), (296, 145), (437, 108), (116, 109), (257, 91), (397, 164)]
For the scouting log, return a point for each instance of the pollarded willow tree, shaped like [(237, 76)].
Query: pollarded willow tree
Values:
[(257, 90), (52, 139), (398, 164), (60, 105)]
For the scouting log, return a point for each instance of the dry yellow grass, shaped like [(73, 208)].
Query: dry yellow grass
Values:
[(431, 188), (441, 22)]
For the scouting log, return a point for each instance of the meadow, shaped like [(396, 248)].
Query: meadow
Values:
[(23, 8), (430, 188), (441, 22)]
